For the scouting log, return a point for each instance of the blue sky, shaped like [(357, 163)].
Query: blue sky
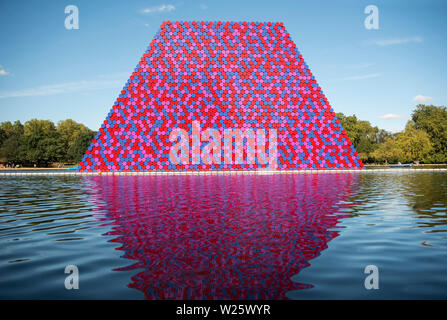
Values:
[(49, 72)]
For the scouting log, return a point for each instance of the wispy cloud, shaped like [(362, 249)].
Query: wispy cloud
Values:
[(393, 116), (421, 99), (3, 72), (103, 82), (394, 41), (362, 77), (203, 6), (159, 9)]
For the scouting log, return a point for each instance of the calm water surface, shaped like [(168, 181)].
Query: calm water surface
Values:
[(302, 236)]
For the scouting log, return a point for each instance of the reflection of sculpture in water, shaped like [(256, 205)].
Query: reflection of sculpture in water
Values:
[(221, 236)]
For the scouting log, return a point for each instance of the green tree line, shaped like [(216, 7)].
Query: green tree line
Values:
[(41, 142), (424, 139)]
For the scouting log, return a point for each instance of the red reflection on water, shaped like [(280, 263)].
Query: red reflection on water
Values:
[(221, 236)]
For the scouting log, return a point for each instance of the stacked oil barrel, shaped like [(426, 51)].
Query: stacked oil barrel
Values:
[(246, 76)]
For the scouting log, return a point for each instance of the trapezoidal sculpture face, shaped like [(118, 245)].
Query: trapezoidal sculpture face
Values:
[(221, 96)]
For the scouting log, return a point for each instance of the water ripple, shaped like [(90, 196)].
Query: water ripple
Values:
[(215, 237)]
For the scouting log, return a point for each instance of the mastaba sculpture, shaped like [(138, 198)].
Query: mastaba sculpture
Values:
[(221, 96)]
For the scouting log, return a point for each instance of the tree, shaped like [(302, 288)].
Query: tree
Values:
[(382, 135), (388, 151), (80, 145), (10, 139), (363, 136), (410, 145), (40, 143), (69, 131), (433, 120), (414, 143), (2, 134)]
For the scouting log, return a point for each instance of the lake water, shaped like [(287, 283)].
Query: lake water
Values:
[(283, 236)]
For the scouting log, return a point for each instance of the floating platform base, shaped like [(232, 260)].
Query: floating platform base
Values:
[(253, 172)]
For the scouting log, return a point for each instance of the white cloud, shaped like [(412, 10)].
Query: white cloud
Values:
[(203, 6), (394, 41), (421, 99), (159, 9), (393, 116), (363, 77), (3, 72), (104, 82)]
